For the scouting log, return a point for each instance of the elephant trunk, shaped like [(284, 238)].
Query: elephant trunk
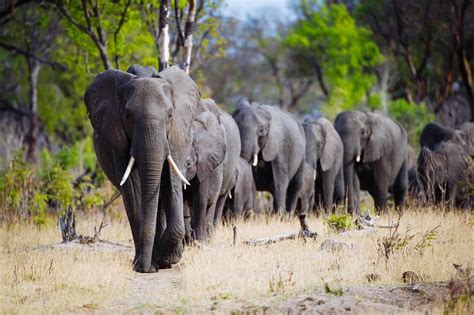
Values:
[(149, 148), (352, 152)]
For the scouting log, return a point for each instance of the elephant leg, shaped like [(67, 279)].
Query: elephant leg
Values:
[(210, 215), (356, 193), (219, 209), (339, 187), (131, 200), (169, 249), (400, 186), (328, 190), (280, 188), (380, 192), (187, 222), (294, 189), (199, 215)]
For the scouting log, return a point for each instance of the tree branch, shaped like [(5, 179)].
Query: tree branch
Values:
[(20, 51)]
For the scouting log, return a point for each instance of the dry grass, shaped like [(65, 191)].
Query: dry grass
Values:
[(55, 280)]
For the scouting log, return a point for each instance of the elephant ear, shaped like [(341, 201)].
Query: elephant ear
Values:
[(103, 99), (381, 140), (185, 97), (328, 156), (210, 153), (274, 144)]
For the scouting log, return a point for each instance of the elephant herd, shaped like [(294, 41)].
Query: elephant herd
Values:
[(183, 165)]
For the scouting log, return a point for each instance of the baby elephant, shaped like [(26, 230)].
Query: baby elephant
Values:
[(241, 201), (324, 153), (443, 173)]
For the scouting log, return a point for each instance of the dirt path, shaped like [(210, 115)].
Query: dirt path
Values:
[(416, 298)]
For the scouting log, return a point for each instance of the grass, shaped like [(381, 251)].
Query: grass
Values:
[(53, 280)]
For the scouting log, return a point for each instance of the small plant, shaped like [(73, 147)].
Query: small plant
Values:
[(333, 291), (282, 284), (426, 239), (339, 222), (393, 242)]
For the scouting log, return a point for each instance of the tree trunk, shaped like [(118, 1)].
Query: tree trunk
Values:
[(164, 37), (32, 135), (188, 35)]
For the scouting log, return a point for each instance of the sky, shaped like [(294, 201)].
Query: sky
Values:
[(241, 8)]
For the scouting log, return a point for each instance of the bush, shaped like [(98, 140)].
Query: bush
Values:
[(413, 117), (339, 222), (34, 191)]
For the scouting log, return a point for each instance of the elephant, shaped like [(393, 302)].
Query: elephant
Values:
[(243, 196), (142, 136), (273, 142), (454, 111), (375, 157), (443, 171), (325, 153), (210, 168), (148, 71), (433, 134)]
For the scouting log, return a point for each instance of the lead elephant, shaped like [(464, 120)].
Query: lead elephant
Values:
[(324, 153), (273, 142), (375, 154), (210, 168), (142, 136)]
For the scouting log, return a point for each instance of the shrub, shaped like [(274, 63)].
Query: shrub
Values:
[(413, 117), (33, 191), (339, 222)]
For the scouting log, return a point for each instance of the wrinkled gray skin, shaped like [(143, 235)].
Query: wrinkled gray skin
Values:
[(305, 202), (147, 118), (381, 144), (144, 72), (210, 168), (278, 140), (324, 153), (442, 170), (433, 134), (243, 194), (411, 157), (454, 111)]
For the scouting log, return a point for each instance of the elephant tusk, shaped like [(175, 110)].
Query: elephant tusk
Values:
[(230, 195), (255, 160), (127, 171), (358, 158), (314, 175), (176, 170)]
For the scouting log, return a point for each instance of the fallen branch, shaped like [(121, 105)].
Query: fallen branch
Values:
[(282, 237), (367, 220)]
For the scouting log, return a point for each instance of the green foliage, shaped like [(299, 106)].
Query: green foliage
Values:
[(339, 222), (344, 51), (28, 191), (411, 116)]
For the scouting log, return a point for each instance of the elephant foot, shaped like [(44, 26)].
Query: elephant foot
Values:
[(307, 233), (141, 269)]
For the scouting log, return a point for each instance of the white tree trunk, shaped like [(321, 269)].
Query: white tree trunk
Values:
[(188, 33), (164, 37)]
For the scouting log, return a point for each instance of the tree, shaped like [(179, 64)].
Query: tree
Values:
[(431, 41), (89, 16), (342, 54), (35, 29)]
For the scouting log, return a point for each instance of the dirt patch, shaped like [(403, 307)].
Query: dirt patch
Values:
[(416, 298)]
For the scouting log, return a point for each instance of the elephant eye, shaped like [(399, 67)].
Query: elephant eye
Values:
[(261, 131), (170, 113)]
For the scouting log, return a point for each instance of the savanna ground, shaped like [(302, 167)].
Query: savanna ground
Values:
[(289, 276)]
